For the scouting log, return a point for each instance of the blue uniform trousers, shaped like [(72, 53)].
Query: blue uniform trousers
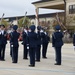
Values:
[(44, 49), (11, 48), (38, 52), (15, 55), (25, 52), (2, 51), (58, 54), (32, 56)]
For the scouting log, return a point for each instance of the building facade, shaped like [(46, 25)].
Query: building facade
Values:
[(45, 20), (67, 5)]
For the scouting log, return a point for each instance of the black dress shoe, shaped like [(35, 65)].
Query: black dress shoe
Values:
[(57, 64), (14, 62), (44, 57), (31, 65), (2, 59), (37, 60), (25, 58)]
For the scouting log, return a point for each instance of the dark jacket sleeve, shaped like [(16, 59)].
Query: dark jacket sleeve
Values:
[(74, 40), (53, 40)]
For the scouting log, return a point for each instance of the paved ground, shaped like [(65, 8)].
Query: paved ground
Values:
[(45, 67)]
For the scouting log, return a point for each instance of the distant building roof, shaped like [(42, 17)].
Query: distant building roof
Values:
[(42, 1), (33, 16)]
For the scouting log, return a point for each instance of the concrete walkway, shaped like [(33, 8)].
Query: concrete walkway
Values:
[(45, 67)]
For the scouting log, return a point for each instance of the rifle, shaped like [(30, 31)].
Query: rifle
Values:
[(24, 19), (2, 18), (17, 20), (60, 23)]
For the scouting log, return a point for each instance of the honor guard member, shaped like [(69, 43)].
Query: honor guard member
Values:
[(15, 44), (32, 44), (10, 35), (38, 50), (57, 43), (0, 42), (25, 42), (3, 42), (45, 41), (74, 41)]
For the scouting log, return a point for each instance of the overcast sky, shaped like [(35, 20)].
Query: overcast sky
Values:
[(19, 7)]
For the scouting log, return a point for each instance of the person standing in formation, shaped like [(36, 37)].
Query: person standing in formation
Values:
[(25, 43), (57, 43), (38, 49), (74, 41), (45, 41), (15, 44), (32, 36), (3, 42), (10, 35)]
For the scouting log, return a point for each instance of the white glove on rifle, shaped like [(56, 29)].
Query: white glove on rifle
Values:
[(65, 31), (25, 31), (41, 31)]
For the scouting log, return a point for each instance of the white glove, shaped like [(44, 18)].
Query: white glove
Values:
[(45, 33), (29, 30), (25, 31), (59, 30), (28, 47), (11, 45), (0, 33), (41, 31), (65, 31)]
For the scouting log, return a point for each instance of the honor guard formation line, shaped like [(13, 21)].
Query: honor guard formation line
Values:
[(32, 43)]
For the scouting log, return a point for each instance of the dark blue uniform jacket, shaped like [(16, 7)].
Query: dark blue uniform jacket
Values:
[(32, 36), (14, 38), (74, 40), (45, 38), (39, 40), (57, 39), (25, 38), (3, 38)]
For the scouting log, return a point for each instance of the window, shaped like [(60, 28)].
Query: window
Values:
[(72, 9)]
